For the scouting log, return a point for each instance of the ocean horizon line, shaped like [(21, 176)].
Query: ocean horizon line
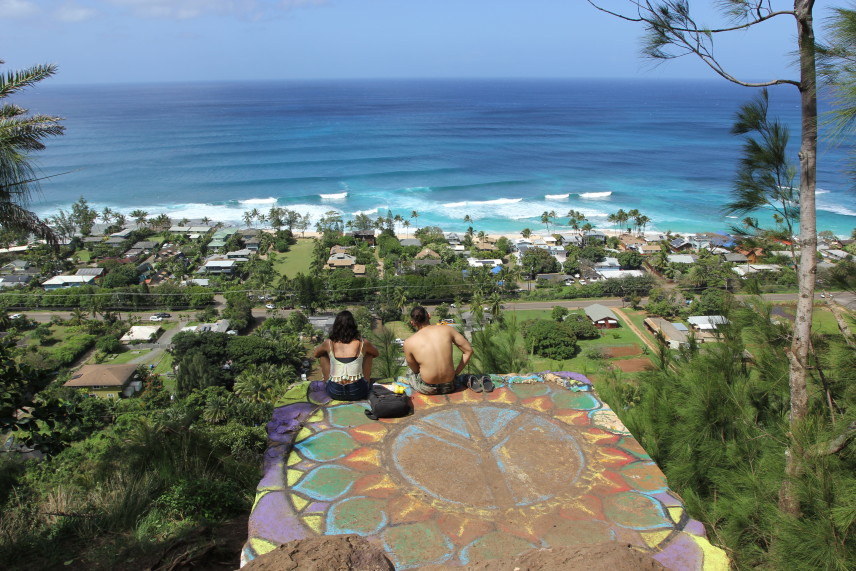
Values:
[(57, 80)]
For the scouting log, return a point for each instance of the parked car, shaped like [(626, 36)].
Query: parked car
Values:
[(448, 321), (270, 306), (399, 341), (232, 332), (155, 318), (16, 316), (163, 314)]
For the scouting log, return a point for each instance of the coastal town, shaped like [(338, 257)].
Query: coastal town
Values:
[(207, 276)]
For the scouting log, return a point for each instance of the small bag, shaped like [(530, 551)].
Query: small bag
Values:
[(383, 403)]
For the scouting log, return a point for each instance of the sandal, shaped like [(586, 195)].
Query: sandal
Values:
[(487, 384), (474, 383)]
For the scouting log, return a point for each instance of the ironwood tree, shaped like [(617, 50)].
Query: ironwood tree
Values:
[(672, 32)]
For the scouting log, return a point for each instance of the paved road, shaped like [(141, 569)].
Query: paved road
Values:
[(844, 299)]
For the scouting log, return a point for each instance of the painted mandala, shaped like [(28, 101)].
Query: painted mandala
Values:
[(470, 477)]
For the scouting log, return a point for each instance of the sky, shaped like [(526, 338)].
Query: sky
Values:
[(146, 41)]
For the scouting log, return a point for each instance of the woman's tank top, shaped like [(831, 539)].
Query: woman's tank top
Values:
[(348, 369)]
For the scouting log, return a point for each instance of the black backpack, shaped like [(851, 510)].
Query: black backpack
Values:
[(383, 403)]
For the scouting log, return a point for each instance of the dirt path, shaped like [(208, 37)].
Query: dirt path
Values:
[(640, 334)]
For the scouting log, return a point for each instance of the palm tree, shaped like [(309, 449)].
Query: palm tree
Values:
[(139, 216), (526, 232), (545, 219), (162, 221), (106, 214), (247, 217), (415, 216), (206, 220), (585, 229), (406, 224), (643, 222), (621, 218), (634, 214), (19, 136), (574, 219)]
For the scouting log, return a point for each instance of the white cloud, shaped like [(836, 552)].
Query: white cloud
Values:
[(14, 9), (187, 9), (72, 12)]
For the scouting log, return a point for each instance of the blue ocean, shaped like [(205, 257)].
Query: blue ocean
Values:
[(501, 151)]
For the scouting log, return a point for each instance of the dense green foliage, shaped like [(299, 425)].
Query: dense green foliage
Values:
[(717, 425), (550, 339), (124, 475), (581, 326)]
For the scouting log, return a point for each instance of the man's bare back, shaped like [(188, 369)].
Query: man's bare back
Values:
[(429, 352)]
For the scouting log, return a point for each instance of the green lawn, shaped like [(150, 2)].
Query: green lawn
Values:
[(127, 356), (824, 322), (84, 255), (296, 260), (164, 365), (402, 330)]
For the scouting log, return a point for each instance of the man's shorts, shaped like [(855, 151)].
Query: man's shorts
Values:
[(420, 386)]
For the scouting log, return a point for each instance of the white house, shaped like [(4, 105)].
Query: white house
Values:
[(706, 322), (479, 263), (60, 282)]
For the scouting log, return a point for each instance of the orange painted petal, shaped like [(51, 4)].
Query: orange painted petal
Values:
[(542, 404), (503, 396), (421, 401), (375, 486), (465, 397), (369, 433), (572, 417), (407, 509), (463, 530), (363, 459)]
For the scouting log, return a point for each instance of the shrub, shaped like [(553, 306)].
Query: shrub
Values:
[(72, 348), (202, 499), (582, 327), (559, 313), (550, 339), (108, 344), (595, 353)]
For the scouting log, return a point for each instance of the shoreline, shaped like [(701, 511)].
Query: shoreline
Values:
[(493, 237)]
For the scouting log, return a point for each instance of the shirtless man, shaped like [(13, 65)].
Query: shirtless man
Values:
[(429, 355)]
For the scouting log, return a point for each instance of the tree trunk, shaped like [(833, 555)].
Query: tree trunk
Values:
[(799, 351)]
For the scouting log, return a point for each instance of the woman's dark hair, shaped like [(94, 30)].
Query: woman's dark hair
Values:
[(344, 328)]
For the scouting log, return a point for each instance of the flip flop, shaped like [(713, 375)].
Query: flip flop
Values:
[(487, 384), (474, 383)]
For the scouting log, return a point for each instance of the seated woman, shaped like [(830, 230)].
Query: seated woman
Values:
[(346, 360)]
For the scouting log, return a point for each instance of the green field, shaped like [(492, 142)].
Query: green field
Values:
[(296, 260)]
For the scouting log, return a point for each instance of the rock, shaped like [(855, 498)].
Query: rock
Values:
[(325, 553)]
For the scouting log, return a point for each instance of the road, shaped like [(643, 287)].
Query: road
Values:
[(844, 299)]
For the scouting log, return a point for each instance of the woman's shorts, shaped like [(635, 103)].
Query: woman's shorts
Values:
[(358, 390)]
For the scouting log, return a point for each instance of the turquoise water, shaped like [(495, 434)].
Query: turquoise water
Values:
[(499, 151)]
